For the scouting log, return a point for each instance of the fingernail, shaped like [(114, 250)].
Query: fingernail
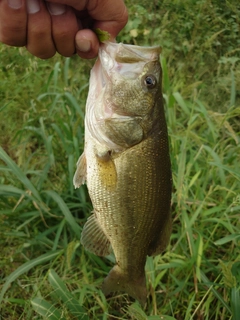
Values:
[(33, 6), (15, 4), (83, 45), (56, 9)]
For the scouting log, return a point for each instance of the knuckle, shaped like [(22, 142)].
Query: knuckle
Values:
[(124, 17), (13, 37), (13, 42), (66, 54), (41, 52), (62, 35), (45, 55)]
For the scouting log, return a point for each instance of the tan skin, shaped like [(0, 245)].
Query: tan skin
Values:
[(63, 26)]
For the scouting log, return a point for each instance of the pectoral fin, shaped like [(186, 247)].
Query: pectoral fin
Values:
[(94, 239), (106, 169), (80, 174)]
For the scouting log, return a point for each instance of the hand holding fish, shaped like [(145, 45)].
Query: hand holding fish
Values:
[(65, 26)]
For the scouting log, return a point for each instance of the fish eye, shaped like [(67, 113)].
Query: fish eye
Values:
[(150, 81)]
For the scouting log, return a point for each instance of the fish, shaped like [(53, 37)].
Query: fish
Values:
[(126, 164)]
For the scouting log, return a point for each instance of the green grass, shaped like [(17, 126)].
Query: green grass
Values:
[(44, 271)]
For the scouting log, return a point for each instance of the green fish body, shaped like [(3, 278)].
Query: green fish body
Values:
[(126, 164)]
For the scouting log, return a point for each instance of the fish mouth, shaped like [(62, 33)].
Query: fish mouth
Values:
[(127, 61)]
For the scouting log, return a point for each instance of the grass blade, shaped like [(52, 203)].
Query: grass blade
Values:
[(136, 311), (55, 74), (26, 267), (19, 174), (160, 318), (235, 303), (61, 290), (66, 212), (46, 309), (179, 99), (227, 239), (233, 89), (71, 99), (217, 295), (58, 234), (66, 71), (166, 81)]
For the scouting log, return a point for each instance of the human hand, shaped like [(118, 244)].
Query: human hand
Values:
[(45, 27)]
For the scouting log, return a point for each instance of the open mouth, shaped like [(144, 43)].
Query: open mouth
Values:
[(124, 61)]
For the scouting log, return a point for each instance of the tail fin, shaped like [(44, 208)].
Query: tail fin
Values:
[(118, 281)]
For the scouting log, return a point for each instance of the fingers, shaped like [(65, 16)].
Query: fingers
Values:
[(64, 28), (45, 27), (87, 44), (107, 15), (13, 22), (43, 30), (39, 38), (50, 29), (27, 23), (110, 16)]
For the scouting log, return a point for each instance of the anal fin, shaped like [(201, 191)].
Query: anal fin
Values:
[(94, 239), (81, 172)]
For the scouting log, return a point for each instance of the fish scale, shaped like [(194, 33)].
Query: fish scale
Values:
[(126, 164)]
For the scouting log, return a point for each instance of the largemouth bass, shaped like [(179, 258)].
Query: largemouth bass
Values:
[(126, 164)]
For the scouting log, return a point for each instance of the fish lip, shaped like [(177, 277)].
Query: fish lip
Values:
[(134, 52)]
